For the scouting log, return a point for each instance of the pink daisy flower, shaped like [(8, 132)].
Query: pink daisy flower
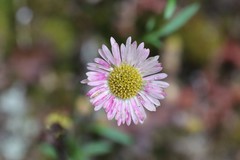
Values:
[(125, 82)]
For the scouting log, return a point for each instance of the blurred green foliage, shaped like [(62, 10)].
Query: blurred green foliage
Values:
[(172, 25), (170, 8), (59, 31), (113, 134)]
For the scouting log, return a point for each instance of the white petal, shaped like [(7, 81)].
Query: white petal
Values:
[(99, 104), (140, 112), (102, 62), (96, 83), (112, 112), (85, 81), (98, 107), (116, 53), (100, 97), (151, 99), (141, 46), (102, 54), (131, 53), (129, 40), (109, 104), (128, 113), (146, 103), (123, 53), (156, 76), (96, 91), (108, 54), (151, 71), (143, 54), (133, 114), (119, 121), (97, 70), (123, 111), (149, 63), (161, 84), (113, 41)]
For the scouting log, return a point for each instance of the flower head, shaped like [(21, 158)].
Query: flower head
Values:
[(125, 82)]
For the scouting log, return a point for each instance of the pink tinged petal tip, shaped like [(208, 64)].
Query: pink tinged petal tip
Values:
[(102, 62), (85, 81)]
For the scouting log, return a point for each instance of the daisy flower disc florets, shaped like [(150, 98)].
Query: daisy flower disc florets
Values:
[(126, 82)]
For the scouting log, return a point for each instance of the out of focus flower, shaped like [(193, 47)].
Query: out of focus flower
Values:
[(58, 119), (125, 81)]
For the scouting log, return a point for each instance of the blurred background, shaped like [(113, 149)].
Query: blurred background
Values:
[(44, 48)]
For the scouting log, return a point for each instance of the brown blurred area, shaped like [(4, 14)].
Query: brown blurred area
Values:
[(44, 46)]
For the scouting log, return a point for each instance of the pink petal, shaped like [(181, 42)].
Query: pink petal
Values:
[(131, 53), (108, 54), (96, 90), (143, 54), (97, 70), (128, 42), (94, 74), (116, 53), (100, 97), (112, 112), (102, 62), (133, 114), (149, 63), (139, 111), (128, 116), (119, 121), (161, 84), (141, 46), (150, 98), (145, 102), (154, 70), (85, 81), (110, 103), (156, 76), (96, 65), (97, 78), (97, 83), (123, 113), (99, 104), (123, 53), (102, 54)]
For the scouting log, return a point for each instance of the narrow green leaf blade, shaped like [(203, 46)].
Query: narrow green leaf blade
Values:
[(178, 21), (48, 150), (150, 24), (113, 134), (97, 148), (170, 8)]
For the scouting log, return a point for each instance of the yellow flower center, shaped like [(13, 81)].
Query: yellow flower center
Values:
[(125, 81)]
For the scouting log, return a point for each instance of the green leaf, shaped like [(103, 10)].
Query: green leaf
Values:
[(176, 23), (48, 150), (155, 42), (150, 24), (113, 134), (74, 149), (170, 8), (96, 148)]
